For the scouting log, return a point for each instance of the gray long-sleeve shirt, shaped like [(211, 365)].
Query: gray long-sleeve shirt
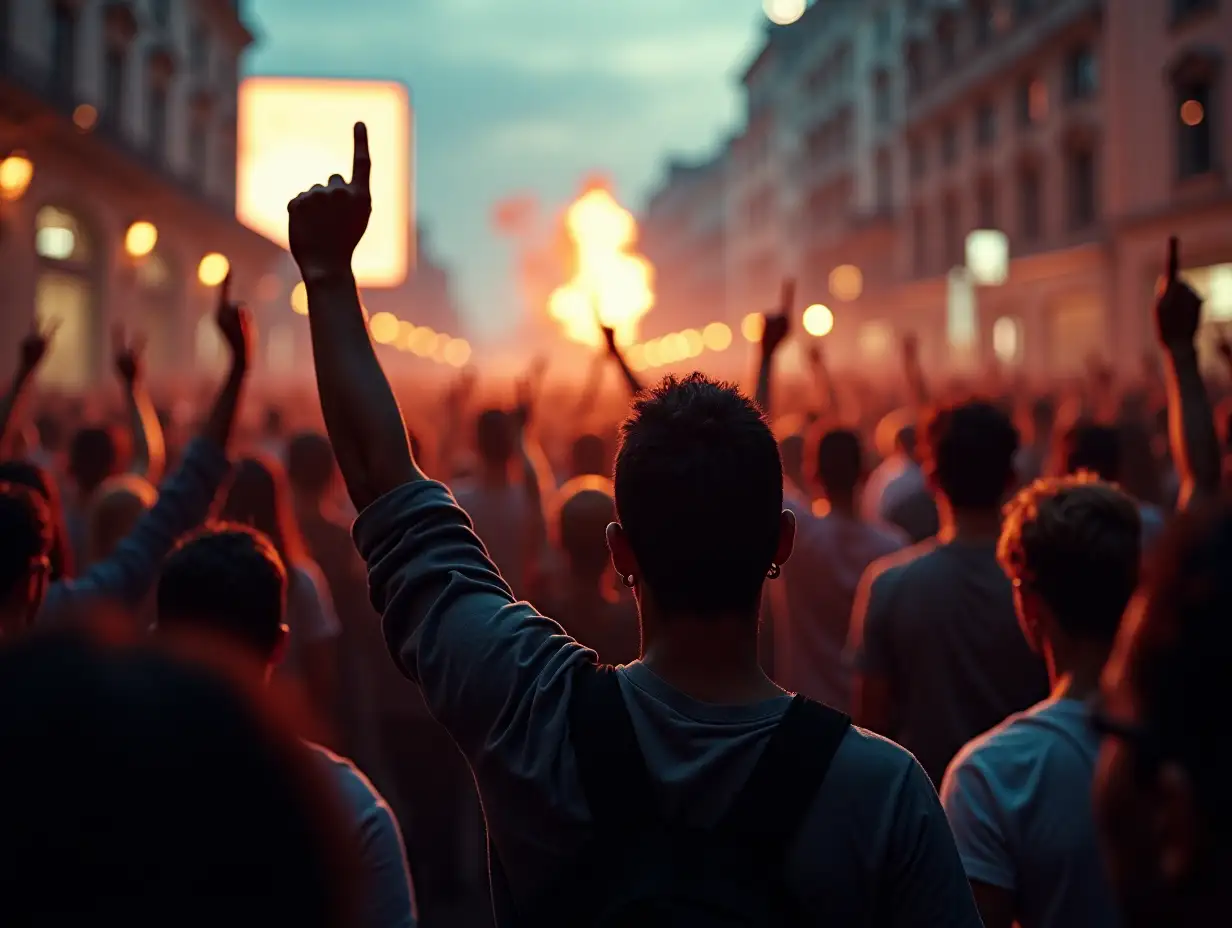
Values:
[(874, 849), (126, 577)]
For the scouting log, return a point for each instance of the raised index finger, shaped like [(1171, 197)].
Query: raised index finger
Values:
[(361, 168)]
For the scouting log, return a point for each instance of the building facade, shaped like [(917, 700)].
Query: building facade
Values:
[(880, 134), (123, 113)]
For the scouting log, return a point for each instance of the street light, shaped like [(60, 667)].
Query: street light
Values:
[(213, 269), (140, 239), (818, 320), (16, 172)]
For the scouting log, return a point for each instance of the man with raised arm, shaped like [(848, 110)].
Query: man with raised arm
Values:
[(684, 788)]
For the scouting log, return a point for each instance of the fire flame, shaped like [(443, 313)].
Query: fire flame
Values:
[(611, 283)]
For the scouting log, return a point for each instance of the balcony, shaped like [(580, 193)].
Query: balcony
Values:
[(980, 66)]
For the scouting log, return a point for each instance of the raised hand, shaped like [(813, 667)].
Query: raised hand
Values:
[(609, 338), (34, 346), (234, 324), (778, 325), (1178, 310), (327, 222), (127, 354)]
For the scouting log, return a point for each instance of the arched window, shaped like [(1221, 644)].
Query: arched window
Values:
[(1196, 78), (65, 294)]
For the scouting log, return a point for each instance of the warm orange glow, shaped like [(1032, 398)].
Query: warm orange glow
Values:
[(650, 353), (16, 172), (384, 328), (635, 357), (818, 320), (457, 352), (717, 336), (693, 342), (846, 282), (610, 279), (1192, 113), (1037, 101), (213, 269), (299, 299), (422, 341), (294, 133), (85, 117), (752, 326), (140, 239)]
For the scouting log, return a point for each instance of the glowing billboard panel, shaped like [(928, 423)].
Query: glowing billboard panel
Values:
[(296, 132)]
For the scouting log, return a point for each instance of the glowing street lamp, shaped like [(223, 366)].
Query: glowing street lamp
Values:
[(783, 12), (140, 239), (213, 269), (818, 320), (16, 172)]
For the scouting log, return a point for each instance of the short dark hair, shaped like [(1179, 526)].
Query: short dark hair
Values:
[(699, 492), (94, 454), (25, 534), (495, 436), (589, 455), (310, 463), (840, 461), (226, 579), (33, 477), (1178, 656), (1077, 542), (1094, 449), (970, 448)]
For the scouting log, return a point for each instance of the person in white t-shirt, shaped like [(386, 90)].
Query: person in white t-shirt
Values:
[(1019, 797), (812, 607)]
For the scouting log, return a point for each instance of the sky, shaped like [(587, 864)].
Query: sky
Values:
[(525, 97)]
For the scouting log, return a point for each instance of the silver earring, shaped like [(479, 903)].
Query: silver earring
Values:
[(628, 580), (773, 572)]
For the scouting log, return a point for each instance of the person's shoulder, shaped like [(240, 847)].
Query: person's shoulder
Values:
[(355, 788), (306, 570), (868, 763), (1012, 750), (899, 564)]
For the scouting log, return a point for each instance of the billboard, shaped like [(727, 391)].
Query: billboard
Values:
[(296, 132)]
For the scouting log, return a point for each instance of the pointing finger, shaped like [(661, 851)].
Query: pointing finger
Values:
[(361, 169)]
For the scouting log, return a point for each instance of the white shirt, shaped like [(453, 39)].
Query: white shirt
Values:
[(1019, 802)]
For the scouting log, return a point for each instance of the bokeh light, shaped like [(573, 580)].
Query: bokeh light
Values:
[(846, 282), (717, 336), (1192, 113), (635, 357), (651, 353), (694, 342), (140, 239), (457, 352), (299, 298), (213, 269), (406, 332), (783, 12), (384, 328), (16, 172), (85, 117), (422, 342), (752, 327), (818, 320)]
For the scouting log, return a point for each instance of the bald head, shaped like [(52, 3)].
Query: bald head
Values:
[(117, 506)]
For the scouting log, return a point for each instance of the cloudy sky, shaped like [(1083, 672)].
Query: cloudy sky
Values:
[(525, 96)]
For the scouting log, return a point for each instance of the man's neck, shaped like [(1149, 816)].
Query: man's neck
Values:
[(975, 526), (842, 505), (1075, 667), (710, 660)]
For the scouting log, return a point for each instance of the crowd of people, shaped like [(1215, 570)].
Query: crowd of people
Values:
[(948, 659)]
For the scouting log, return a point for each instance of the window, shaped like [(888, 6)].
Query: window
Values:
[(919, 239), (1195, 140), (986, 204), (1081, 74), (918, 160), (949, 145), (1031, 101), (1082, 192), (952, 231), (199, 149), (158, 120), (986, 125), (115, 70), (160, 10), (915, 70), (984, 22), (1030, 224), (885, 183), (58, 236), (64, 50), (881, 99)]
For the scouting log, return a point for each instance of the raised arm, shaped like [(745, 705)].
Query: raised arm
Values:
[(917, 384), (149, 451), (1191, 420), (827, 392), (33, 349), (775, 331), (361, 414), (613, 350)]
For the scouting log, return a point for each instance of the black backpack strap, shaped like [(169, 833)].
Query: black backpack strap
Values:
[(770, 809), (610, 765)]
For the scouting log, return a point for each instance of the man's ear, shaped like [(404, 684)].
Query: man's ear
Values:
[(622, 555), (787, 537), (279, 653)]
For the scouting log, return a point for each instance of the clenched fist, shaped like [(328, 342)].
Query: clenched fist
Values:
[(327, 222)]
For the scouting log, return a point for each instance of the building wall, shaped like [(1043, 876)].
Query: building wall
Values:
[(97, 169)]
